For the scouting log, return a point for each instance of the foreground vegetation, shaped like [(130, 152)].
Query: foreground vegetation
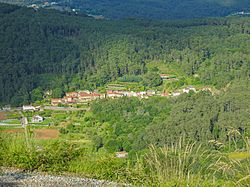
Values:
[(181, 164), (189, 140)]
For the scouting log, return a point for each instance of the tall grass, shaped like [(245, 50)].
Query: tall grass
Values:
[(193, 164), (52, 156), (181, 164)]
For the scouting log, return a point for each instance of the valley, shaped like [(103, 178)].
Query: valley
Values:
[(134, 101)]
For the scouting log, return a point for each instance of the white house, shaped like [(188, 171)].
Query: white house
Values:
[(122, 154), (114, 94), (175, 94), (151, 92), (37, 119), (7, 108), (142, 94), (130, 94), (188, 89), (29, 108)]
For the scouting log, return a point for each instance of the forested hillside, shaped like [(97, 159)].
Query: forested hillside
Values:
[(162, 9), (150, 9), (132, 125), (183, 117), (45, 49)]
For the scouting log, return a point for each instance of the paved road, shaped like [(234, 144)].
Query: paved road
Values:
[(64, 108), (6, 124)]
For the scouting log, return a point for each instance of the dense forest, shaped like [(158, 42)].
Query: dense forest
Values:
[(46, 49), (150, 9)]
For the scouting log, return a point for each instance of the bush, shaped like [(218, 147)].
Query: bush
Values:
[(130, 78), (54, 156)]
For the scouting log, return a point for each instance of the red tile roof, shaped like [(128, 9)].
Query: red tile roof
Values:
[(84, 94), (96, 94)]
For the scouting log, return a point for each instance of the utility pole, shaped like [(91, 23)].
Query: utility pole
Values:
[(25, 123)]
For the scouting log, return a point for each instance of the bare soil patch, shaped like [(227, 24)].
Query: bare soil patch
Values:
[(44, 134), (2, 115), (12, 131)]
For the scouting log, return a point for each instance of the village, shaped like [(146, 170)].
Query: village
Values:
[(72, 99), (57, 6), (81, 99), (45, 4), (42, 122), (86, 96)]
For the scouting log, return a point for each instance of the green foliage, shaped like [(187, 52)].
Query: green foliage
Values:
[(191, 164), (203, 117), (133, 124), (101, 166), (123, 121), (152, 80), (57, 93), (180, 164), (36, 95), (53, 156), (61, 52), (130, 78)]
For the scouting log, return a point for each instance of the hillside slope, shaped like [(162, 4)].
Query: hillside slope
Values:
[(46, 49), (163, 9), (152, 9)]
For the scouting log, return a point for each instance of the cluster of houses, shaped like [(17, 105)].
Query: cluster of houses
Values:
[(43, 5), (87, 96), (168, 77), (77, 97), (35, 118), (56, 5), (184, 90)]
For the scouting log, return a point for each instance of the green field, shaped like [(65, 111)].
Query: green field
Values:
[(11, 121)]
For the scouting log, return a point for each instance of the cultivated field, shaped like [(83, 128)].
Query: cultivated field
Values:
[(2, 116), (12, 131), (44, 134)]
